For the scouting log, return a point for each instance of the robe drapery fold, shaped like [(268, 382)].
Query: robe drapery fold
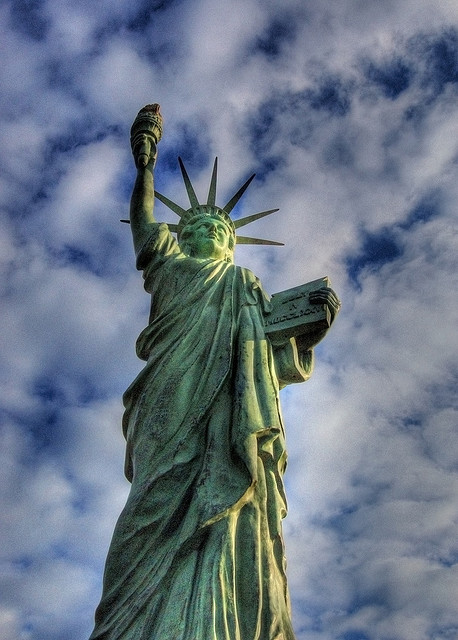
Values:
[(197, 553)]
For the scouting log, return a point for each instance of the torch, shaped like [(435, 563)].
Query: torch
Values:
[(147, 125)]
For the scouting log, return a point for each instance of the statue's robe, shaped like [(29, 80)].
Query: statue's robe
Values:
[(197, 553)]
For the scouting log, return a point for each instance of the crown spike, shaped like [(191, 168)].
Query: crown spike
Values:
[(233, 201), (245, 240), (211, 200), (189, 188), (171, 205), (241, 222)]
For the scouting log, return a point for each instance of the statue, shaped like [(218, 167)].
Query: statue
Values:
[(197, 552)]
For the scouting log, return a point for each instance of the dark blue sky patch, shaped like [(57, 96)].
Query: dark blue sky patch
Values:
[(80, 134), (48, 391), (82, 502), (65, 389), (295, 115), (40, 195), (411, 423), (23, 562), (269, 164), (438, 68), (313, 615), (339, 521), (280, 31), (147, 29), (354, 635), (66, 142), (414, 113), (56, 391), (442, 59), (342, 519), (300, 134), (436, 58), (377, 249), (42, 433), (52, 168), (332, 95), (100, 256), (125, 181), (449, 560), (339, 152), (142, 18), (168, 166), (163, 55), (60, 550), (104, 31), (288, 114), (429, 61), (379, 596), (87, 391), (28, 18), (139, 22), (145, 10), (78, 485), (27, 629), (192, 146), (443, 632), (443, 392), (43, 426), (260, 123), (393, 77), (427, 208), (76, 256), (263, 126), (63, 73)]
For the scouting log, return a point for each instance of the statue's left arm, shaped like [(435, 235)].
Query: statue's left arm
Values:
[(294, 359)]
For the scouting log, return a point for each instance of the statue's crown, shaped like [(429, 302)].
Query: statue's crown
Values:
[(197, 210), (204, 211)]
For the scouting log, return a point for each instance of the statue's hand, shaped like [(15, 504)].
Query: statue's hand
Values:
[(326, 296), (144, 151)]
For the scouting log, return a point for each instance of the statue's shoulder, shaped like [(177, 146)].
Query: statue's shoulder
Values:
[(253, 288), (158, 244)]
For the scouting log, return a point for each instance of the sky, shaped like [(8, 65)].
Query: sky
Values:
[(347, 113)]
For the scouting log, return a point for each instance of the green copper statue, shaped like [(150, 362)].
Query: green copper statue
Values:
[(197, 553)]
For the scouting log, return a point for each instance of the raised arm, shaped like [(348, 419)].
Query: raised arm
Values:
[(142, 200), (145, 133)]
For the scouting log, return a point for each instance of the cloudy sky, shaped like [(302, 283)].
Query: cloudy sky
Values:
[(347, 112)]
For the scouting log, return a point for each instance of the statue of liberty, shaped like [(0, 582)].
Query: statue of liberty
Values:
[(197, 552)]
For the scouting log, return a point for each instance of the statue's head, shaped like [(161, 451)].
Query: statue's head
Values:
[(206, 230)]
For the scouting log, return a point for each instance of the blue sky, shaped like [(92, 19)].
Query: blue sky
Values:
[(347, 112)]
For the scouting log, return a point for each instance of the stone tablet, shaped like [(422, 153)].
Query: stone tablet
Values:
[(293, 315)]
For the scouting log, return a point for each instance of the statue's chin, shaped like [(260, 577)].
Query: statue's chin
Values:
[(209, 249)]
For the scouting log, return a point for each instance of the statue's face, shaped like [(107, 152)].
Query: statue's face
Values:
[(207, 238)]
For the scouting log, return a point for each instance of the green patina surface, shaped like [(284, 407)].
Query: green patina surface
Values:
[(197, 553)]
